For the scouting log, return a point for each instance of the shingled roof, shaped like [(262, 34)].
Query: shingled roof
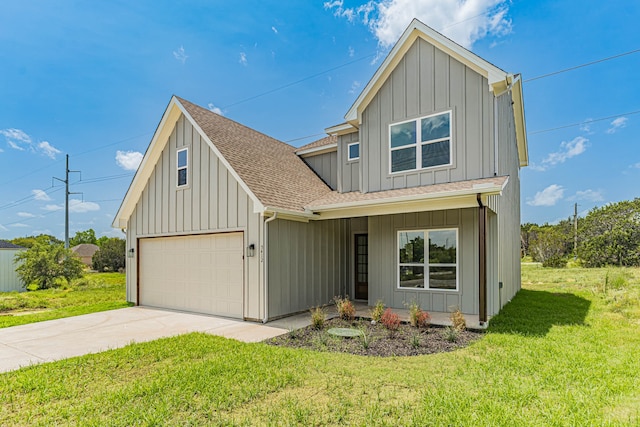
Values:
[(327, 140), (270, 168), (7, 245)]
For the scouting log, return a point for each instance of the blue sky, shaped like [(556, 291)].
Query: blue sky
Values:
[(92, 79)]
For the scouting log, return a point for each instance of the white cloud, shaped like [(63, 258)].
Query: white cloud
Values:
[(14, 145), (354, 87), (568, 149), (26, 215), (19, 225), (588, 195), (547, 197), (180, 55), (113, 232), (351, 52), (52, 208), (243, 59), (128, 160), (40, 195), (78, 206), (464, 21), (48, 149), (215, 109), (275, 30), (617, 124)]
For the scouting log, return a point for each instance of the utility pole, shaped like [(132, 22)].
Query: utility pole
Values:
[(575, 231), (66, 202)]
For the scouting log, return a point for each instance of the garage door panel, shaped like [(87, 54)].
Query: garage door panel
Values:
[(202, 274)]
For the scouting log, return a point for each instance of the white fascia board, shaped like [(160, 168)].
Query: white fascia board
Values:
[(520, 122), (484, 190), (318, 150), (341, 129), (257, 204), (289, 214), (149, 160), (418, 29)]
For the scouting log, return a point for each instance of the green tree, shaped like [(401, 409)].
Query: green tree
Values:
[(87, 236), (29, 241), (111, 255), (43, 264), (548, 245), (610, 235), (102, 240)]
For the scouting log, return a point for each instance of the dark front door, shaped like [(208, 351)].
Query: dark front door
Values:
[(362, 266)]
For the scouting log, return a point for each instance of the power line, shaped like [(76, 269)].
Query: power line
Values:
[(598, 61), (584, 122)]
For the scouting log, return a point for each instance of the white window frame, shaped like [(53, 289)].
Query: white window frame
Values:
[(426, 263), (349, 158), (179, 168), (418, 143)]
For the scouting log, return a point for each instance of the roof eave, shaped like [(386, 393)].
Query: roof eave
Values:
[(318, 150)]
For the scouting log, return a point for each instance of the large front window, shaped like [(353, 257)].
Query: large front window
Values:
[(420, 143), (433, 266)]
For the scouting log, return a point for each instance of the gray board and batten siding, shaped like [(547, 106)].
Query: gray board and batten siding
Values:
[(349, 171), (325, 165), (428, 81), (507, 207), (213, 201)]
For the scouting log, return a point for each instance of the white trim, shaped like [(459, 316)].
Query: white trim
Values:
[(185, 167), (426, 264), (314, 150), (349, 158), (419, 143), (341, 129)]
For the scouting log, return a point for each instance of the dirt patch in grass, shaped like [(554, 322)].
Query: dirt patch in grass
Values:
[(376, 340)]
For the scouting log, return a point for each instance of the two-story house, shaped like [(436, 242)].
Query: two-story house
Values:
[(414, 197)]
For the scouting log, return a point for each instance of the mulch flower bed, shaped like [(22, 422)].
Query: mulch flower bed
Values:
[(376, 340)]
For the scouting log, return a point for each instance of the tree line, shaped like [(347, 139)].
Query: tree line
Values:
[(46, 261), (608, 235)]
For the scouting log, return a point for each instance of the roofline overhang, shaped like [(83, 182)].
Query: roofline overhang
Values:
[(318, 150), (301, 216), (520, 122), (341, 129), (410, 203)]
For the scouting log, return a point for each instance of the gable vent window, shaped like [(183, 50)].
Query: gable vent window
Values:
[(421, 143), (182, 167), (353, 151)]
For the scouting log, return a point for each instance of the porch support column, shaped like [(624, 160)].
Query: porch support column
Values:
[(482, 255)]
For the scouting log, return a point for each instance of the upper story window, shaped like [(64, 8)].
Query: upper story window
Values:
[(353, 151), (420, 143), (183, 160)]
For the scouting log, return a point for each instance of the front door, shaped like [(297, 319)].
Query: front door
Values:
[(362, 266)]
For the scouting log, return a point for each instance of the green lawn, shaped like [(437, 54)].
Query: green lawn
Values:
[(94, 292), (563, 352)]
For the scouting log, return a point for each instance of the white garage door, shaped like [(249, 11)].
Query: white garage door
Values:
[(201, 274)]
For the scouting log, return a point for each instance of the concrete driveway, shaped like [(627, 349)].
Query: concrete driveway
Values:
[(91, 333)]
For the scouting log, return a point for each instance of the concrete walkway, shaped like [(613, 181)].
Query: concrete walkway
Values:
[(91, 333)]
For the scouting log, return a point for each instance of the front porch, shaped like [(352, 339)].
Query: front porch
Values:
[(302, 320)]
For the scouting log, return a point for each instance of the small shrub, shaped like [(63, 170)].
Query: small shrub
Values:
[(451, 334), (318, 317), (390, 320), (365, 338), (555, 262), (377, 311), (345, 308), (417, 317), (293, 333), (415, 340), (458, 321)]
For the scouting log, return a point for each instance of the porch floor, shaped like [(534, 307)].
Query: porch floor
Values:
[(302, 320)]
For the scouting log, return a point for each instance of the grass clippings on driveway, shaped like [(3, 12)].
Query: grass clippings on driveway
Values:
[(561, 353), (92, 293), (376, 340)]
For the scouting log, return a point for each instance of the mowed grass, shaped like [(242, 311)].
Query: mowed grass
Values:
[(561, 353), (95, 292)]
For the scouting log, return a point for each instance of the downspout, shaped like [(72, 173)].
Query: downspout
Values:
[(265, 245), (482, 257)]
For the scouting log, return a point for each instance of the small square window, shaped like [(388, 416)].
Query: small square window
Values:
[(354, 151)]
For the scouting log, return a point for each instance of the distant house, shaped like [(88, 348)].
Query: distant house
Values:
[(414, 197), (85, 251), (9, 280)]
